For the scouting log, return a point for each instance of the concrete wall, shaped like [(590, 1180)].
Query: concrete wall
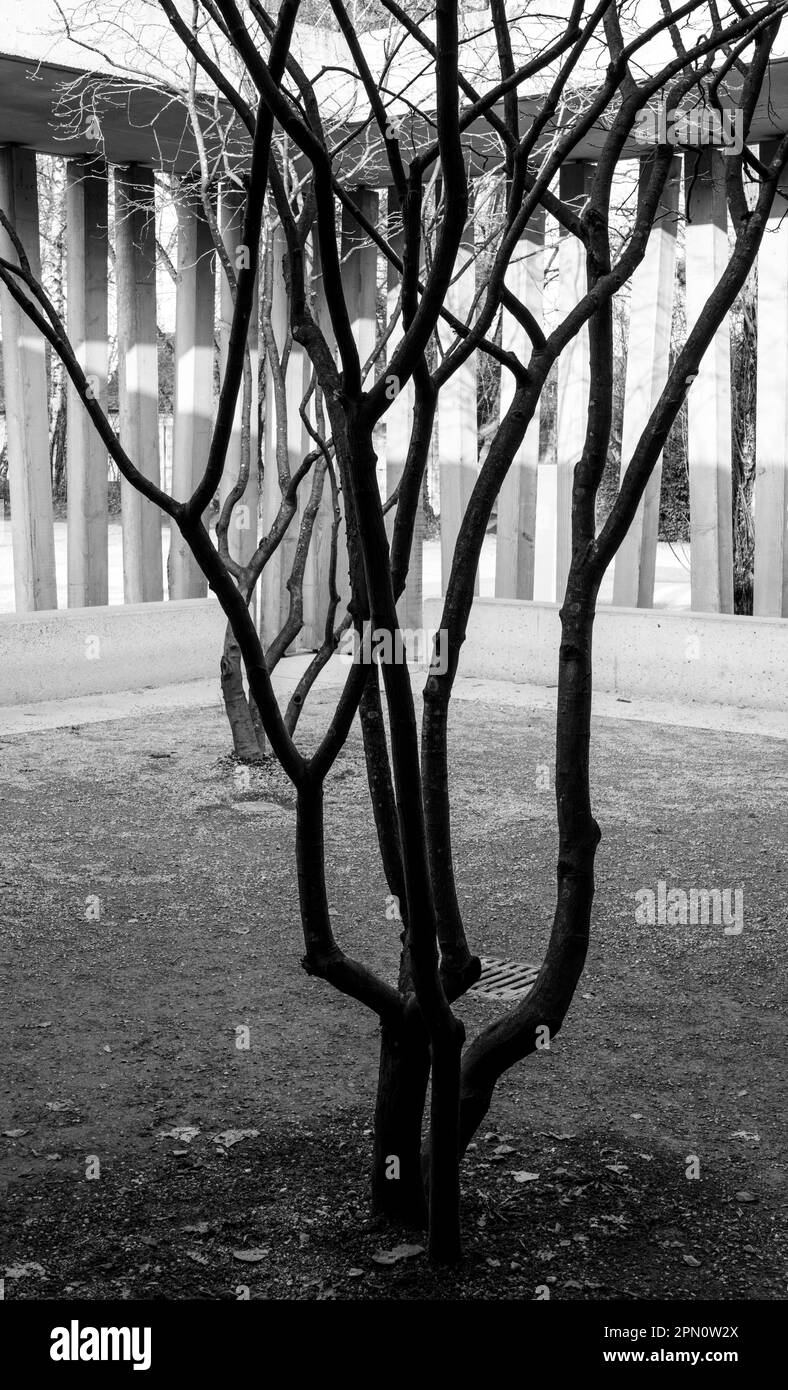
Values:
[(91, 651), (649, 653)]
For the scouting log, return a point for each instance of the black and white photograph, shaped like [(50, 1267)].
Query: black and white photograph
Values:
[(393, 657)]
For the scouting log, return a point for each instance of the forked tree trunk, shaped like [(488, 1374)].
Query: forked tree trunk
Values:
[(420, 968)]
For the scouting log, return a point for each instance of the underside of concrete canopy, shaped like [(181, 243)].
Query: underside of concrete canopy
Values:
[(62, 110), (50, 108)]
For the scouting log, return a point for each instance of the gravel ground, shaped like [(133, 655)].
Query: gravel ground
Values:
[(147, 917)]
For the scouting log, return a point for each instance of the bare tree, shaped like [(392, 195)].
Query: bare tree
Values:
[(597, 72)]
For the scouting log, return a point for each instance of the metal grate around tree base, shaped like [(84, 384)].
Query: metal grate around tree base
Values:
[(504, 979)]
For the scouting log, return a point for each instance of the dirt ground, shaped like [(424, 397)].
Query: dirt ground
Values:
[(147, 920)]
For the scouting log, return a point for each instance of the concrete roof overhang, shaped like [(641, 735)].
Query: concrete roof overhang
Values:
[(48, 107)]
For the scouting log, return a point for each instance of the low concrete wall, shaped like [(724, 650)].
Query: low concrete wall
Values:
[(92, 651), (652, 653)]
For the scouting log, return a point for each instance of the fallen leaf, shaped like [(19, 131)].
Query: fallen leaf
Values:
[(745, 1197), (525, 1177), (15, 1133), (745, 1134), (251, 1257), (690, 1260), (183, 1134), (400, 1252), (228, 1137), (355, 1274)]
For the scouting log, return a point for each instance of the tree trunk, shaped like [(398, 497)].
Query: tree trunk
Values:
[(444, 1198), (398, 1192), (246, 744), (446, 1033), (257, 724)]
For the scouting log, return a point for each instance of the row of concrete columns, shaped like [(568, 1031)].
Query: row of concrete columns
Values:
[(533, 546)]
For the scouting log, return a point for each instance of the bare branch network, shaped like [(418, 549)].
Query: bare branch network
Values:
[(481, 115)]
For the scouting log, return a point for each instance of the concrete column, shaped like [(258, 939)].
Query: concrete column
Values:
[(399, 424), (138, 377), (359, 280), (709, 400), (359, 273), (26, 401), (457, 422), (770, 599), (193, 396), (275, 600), (648, 359), (87, 248), (243, 532), (573, 371), (515, 546), (545, 538)]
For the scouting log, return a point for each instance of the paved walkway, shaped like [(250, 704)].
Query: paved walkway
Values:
[(91, 709)]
